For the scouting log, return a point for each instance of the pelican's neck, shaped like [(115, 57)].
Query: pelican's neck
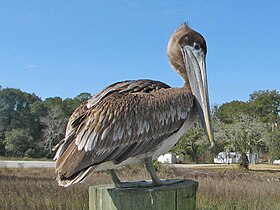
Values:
[(177, 62), (184, 77), (187, 84)]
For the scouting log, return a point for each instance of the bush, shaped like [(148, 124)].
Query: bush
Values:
[(18, 142)]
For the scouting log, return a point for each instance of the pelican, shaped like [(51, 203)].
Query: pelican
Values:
[(136, 121)]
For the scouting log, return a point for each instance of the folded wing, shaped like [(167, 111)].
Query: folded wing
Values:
[(124, 120)]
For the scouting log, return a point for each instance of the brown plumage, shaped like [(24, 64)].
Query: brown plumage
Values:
[(128, 121)]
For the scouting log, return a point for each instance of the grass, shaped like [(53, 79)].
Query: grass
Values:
[(219, 188), (36, 189), (237, 189)]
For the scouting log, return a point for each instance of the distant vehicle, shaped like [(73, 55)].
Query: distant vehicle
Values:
[(276, 162)]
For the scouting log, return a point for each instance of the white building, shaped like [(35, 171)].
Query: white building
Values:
[(235, 157), (276, 162), (168, 158)]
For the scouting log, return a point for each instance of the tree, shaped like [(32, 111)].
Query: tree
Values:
[(220, 131), (83, 97), (17, 142), (274, 144), (247, 134), (69, 105), (192, 143), (266, 105), (54, 122), (15, 113), (227, 111)]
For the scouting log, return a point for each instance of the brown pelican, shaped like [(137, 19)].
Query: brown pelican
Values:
[(136, 121)]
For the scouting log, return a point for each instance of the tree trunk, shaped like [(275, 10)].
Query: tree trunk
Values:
[(244, 163), (194, 153)]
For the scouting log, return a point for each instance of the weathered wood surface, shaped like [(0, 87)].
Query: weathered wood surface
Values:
[(180, 196)]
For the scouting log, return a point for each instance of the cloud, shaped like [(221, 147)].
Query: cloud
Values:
[(29, 66)]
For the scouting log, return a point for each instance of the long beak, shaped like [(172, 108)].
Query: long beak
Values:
[(196, 71)]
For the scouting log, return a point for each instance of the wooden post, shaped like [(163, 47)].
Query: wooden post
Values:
[(180, 196)]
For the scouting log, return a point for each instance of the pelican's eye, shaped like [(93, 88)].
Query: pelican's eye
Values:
[(196, 46)]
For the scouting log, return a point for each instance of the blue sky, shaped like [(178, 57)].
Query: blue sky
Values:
[(62, 48)]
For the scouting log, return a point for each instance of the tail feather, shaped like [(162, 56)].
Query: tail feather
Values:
[(68, 168), (78, 177)]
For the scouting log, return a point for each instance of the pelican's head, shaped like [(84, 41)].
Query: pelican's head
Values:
[(187, 52)]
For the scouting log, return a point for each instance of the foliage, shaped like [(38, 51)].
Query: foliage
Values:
[(274, 144), (18, 142), (15, 112), (29, 126), (227, 111), (193, 144), (250, 126), (245, 135), (266, 105)]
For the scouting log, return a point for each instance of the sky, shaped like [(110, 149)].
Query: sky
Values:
[(63, 48)]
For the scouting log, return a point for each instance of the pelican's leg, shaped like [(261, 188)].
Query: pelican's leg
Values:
[(120, 184), (151, 169), (115, 177)]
